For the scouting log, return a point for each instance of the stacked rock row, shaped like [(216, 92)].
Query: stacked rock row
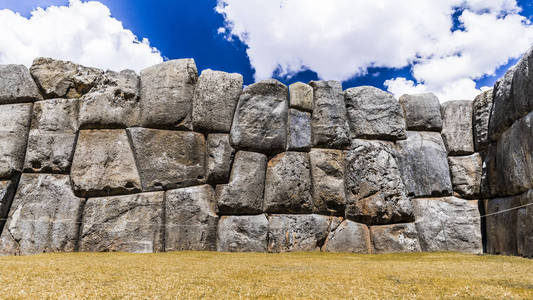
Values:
[(106, 161)]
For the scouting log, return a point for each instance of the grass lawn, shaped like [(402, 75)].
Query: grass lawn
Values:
[(258, 275)]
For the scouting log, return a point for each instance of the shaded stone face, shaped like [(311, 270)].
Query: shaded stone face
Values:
[(16, 85), (130, 223), (502, 116), (215, 98), (502, 227), (327, 169), (349, 237), (482, 108), (457, 127), (523, 86), (166, 94), (466, 174), (242, 233), (374, 114), (395, 238), (168, 159), (7, 192), (43, 217), (301, 96), (525, 223), (191, 220), (220, 156), (422, 112), (299, 131), (14, 127)]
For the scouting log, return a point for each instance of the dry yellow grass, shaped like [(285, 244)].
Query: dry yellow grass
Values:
[(254, 275)]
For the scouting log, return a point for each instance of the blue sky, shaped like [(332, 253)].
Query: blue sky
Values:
[(180, 29)]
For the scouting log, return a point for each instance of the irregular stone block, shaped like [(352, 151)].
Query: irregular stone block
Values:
[(244, 193), (52, 136), (113, 102), (191, 220), (215, 98), (523, 86), (374, 114), (7, 192), (423, 164), (288, 184), (375, 193), (167, 91), (327, 174), (482, 108), (14, 127), (63, 79), (466, 174), (349, 237), (395, 238), (220, 156), (299, 131), (457, 127), (260, 121), (525, 223), (16, 85), (448, 224), (130, 223), (329, 122), (43, 217), (103, 164), (502, 113), (168, 159), (501, 225), (422, 112), (301, 96), (242, 233)]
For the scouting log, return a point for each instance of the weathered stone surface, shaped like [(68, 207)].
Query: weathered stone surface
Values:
[(395, 238), (63, 79), (215, 98), (502, 113), (288, 233), (502, 227), (288, 184), (43, 217), (523, 86), (166, 94), (168, 159), (301, 96), (103, 164), (7, 192), (525, 223), (349, 237), (482, 108), (374, 114), (299, 131), (244, 193), (457, 127), (52, 136), (375, 193), (242, 233), (191, 220), (327, 174), (423, 164), (14, 127), (466, 174), (448, 224), (112, 103), (422, 112), (260, 121), (130, 223), (329, 122), (16, 85), (220, 156)]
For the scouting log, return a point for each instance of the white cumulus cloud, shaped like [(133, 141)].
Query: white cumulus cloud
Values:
[(83, 32)]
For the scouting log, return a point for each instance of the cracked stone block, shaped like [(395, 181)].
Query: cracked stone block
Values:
[(131, 223), (327, 169), (422, 112), (16, 85), (301, 96), (395, 238), (14, 127), (220, 156), (457, 127), (299, 131), (242, 233), (7, 192), (466, 174), (481, 116), (349, 237)]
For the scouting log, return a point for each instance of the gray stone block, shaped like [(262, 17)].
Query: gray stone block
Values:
[(466, 174), (457, 127), (422, 112), (242, 233), (16, 85), (395, 238), (14, 127), (220, 156), (299, 131), (327, 175), (482, 109), (301, 96), (349, 237)]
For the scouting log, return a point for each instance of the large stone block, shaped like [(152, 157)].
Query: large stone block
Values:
[(166, 94), (327, 174), (52, 136), (244, 192), (374, 114), (422, 112), (288, 184), (191, 220), (502, 113), (457, 127), (215, 98), (395, 238), (14, 127), (220, 156), (43, 216), (260, 121), (329, 122), (424, 166), (523, 86), (168, 159), (130, 223), (301, 96), (482, 108), (7, 192), (448, 224), (299, 131), (466, 174), (63, 79), (242, 233), (349, 237), (375, 193), (502, 224), (103, 164), (525, 224), (16, 85)]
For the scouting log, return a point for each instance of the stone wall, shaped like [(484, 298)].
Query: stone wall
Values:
[(169, 160)]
